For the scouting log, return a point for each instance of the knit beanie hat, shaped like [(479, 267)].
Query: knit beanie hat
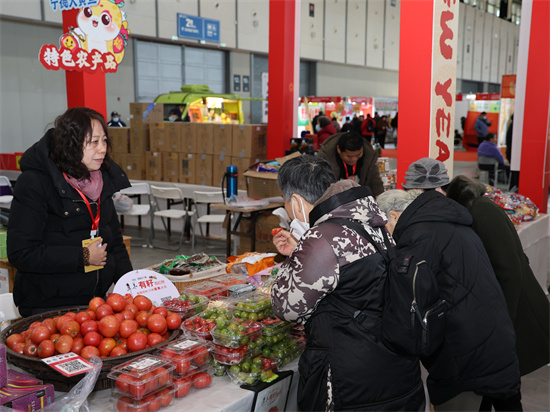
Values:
[(426, 173)]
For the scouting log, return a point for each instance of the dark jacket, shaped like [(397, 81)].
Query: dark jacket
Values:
[(325, 133), (48, 221), (478, 353), (527, 304), (369, 175), (332, 272)]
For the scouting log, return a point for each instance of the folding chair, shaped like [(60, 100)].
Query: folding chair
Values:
[(485, 175), (173, 197), (139, 209), (206, 199)]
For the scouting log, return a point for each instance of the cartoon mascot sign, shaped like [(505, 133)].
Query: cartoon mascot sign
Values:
[(97, 43)]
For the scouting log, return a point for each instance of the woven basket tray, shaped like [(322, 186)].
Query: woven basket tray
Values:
[(36, 367), (181, 282)]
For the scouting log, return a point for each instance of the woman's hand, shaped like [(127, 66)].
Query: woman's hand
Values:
[(284, 242), (98, 253)]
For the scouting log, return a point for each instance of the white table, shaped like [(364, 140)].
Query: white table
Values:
[(535, 239)]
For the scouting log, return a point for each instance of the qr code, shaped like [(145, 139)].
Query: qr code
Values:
[(74, 366)]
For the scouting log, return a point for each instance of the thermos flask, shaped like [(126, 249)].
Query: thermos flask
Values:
[(231, 177)]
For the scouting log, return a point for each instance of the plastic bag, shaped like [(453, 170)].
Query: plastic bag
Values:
[(76, 399), (254, 262), (122, 202)]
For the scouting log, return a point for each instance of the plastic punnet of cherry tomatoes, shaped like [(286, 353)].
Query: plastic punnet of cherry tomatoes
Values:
[(186, 353)]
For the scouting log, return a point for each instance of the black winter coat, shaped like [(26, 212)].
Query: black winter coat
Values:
[(332, 272), (478, 353), (48, 221), (527, 303)]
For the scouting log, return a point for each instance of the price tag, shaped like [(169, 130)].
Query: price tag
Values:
[(144, 363), (69, 364), (186, 344)]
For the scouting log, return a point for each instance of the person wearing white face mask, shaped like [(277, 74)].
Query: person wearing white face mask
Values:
[(331, 272), (115, 120)]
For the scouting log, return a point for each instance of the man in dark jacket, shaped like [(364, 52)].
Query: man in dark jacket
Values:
[(48, 221), (351, 157), (332, 272), (478, 354)]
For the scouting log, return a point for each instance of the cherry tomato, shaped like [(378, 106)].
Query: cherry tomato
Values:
[(276, 230)]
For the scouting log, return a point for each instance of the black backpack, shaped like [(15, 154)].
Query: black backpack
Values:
[(413, 317), (370, 125)]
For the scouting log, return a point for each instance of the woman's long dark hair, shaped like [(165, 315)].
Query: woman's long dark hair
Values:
[(72, 130)]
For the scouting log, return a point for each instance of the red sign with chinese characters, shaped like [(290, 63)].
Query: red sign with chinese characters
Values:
[(77, 59)]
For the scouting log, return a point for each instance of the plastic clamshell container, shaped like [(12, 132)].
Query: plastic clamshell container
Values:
[(185, 353), (255, 303), (236, 333), (161, 398), (185, 385), (240, 378), (274, 326), (232, 356), (199, 325), (141, 376), (185, 307), (208, 288), (220, 369), (231, 279), (288, 350)]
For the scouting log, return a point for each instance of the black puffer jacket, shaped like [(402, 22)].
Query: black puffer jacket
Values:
[(478, 353), (48, 221), (332, 272)]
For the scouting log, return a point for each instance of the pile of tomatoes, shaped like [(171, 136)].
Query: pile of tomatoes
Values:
[(111, 327)]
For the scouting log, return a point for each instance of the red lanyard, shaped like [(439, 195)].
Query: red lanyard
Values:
[(95, 220), (346, 169)]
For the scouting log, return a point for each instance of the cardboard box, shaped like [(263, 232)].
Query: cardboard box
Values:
[(219, 167), (135, 166), (242, 164), (142, 114), (158, 142), (249, 140), (262, 184), (7, 271), (170, 167), (188, 165), (205, 138), (21, 379), (119, 137), (138, 142), (265, 222), (189, 137), (203, 170), (153, 166), (31, 398), (223, 138), (174, 136), (119, 159)]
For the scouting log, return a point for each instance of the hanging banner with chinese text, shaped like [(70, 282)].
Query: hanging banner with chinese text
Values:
[(97, 43), (443, 85)]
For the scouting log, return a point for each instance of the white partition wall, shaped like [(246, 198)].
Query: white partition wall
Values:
[(487, 42), (468, 50), (478, 44), (312, 30), (253, 25), (335, 31), (375, 33), (391, 35), (356, 32)]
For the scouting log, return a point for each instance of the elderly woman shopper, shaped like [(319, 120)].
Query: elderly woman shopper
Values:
[(64, 237), (332, 272)]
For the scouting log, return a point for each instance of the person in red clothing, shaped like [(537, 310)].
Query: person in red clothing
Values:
[(324, 129), (368, 127)]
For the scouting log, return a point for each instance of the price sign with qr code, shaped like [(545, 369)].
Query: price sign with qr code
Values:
[(69, 364)]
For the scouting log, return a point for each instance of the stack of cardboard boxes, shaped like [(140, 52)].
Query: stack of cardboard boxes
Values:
[(196, 153)]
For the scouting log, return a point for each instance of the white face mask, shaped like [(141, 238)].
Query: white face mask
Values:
[(317, 128), (297, 227), (116, 119)]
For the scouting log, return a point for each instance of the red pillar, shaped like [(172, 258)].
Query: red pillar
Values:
[(533, 104), (284, 66), (84, 89)]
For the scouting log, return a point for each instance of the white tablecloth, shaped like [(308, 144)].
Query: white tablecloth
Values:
[(535, 239)]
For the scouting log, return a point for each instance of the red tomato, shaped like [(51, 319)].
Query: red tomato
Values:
[(78, 344), (200, 355), (150, 381), (154, 339), (137, 341), (46, 349), (162, 376), (55, 337), (18, 347), (109, 326), (183, 385), (12, 340), (117, 351), (154, 403), (123, 343), (156, 323), (40, 333), (64, 344), (137, 389), (161, 311), (81, 317), (71, 328), (116, 301), (202, 380), (165, 397), (132, 308), (123, 382), (88, 352), (182, 363), (128, 314), (122, 404), (96, 303), (143, 302), (119, 316), (61, 320), (103, 310), (141, 318), (92, 314), (72, 315), (127, 327), (89, 326), (92, 338), (129, 298), (173, 321), (106, 346), (276, 230), (50, 324), (167, 354)]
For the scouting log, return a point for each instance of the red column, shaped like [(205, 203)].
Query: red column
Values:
[(534, 177), (84, 89), (284, 65)]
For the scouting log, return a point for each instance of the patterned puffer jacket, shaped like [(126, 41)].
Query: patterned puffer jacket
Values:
[(332, 273)]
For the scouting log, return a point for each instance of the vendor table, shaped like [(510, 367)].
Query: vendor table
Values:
[(222, 395), (239, 211), (535, 239)]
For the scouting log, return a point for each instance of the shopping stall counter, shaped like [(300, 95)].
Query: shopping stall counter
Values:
[(535, 239)]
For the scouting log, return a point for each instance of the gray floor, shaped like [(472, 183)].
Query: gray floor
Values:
[(535, 386)]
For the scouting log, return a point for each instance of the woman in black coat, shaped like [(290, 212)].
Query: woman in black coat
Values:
[(62, 198), (527, 304)]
